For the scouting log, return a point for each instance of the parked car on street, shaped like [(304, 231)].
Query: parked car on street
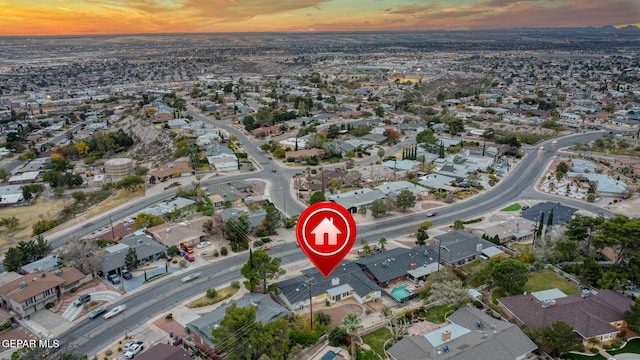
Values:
[(190, 277)]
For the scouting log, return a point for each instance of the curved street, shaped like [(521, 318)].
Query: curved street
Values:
[(90, 336)]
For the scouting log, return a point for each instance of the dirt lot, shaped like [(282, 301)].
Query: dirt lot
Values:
[(41, 209)]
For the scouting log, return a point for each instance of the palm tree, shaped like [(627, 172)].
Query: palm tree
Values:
[(382, 242), (458, 225), (365, 247), (208, 226), (352, 323)]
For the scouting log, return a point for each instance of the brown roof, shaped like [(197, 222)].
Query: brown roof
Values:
[(181, 166), (69, 274), (171, 234), (590, 316), (36, 284), (164, 352)]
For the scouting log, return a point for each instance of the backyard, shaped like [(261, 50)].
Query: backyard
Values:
[(542, 280)]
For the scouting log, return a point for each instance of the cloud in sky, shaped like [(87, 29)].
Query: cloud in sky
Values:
[(46, 17)]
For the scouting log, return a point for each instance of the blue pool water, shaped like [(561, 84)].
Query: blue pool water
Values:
[(400, 292)]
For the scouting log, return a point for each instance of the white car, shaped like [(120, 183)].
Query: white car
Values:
[(115, 311), (190, 277), (134, 349), (203, 244), (126, 346)]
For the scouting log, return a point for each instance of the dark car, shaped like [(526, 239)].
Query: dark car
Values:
[(96, 312), (126, 274), (114, 278)]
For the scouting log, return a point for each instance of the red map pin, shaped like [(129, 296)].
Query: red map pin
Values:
[(326, 232)]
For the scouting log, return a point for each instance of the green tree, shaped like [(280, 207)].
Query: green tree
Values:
[(279, 153), (144, 221), (632, 316), (405, 199), (261, 268), (562, 167), (426, 136), (211, 293), (382, 242), (620, 234), (421, 233), (560, 338), (273, 217), (378, 207), (333, 131), (365, 247), (352, 323), (11, 223), (458, 224), (208, 226), (509, 274), (131, 259), (316, 197), (130, 183), (13, 259), (380, 153), (455, 126), (239, 324), (237, 228)]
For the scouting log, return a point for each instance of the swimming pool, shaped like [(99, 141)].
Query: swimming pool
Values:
[(400, 292)]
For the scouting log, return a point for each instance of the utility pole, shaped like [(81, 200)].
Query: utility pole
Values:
[(309, 285), (113, 235)]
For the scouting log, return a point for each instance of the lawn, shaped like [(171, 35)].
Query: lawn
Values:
[(376, 340), (512, 207), (223, 294), (633, 346), (547, 279), (437, 314), (571, 356)]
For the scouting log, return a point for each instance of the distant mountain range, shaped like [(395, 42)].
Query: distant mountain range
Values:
[(607, 28)]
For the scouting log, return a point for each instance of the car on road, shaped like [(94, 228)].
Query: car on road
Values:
[(96, 312), (273, 170), (126, 274), (554, 142), (114, 278), (525, 207), (431, 214), (134, 349), (82, 299), (190, 277), (189, 257), (203, 244), (115, 311)]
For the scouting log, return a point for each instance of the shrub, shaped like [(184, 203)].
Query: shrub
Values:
[(594, 350), (211, 293), (108, 352), (265, 240), (257, 243), (235, 284), (73, 290), (50, 305), (224, 251), (216, 253), (119, 348), (169, 316)]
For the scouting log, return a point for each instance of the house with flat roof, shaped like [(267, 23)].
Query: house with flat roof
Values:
[(561, 213), (469, 335), (112, 258), (598, 316), (356, 199), (47, 264), (185, 233), (346, 281)]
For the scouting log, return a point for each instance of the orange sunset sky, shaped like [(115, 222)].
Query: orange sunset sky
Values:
[(71, 17)]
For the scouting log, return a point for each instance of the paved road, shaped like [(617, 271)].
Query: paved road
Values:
[(92, 335)]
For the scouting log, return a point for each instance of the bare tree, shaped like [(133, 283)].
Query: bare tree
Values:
[(75, 251), (398, 327)]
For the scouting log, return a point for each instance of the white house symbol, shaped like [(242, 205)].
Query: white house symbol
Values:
[(327, 228)]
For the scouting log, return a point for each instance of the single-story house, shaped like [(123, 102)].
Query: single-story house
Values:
[(266, 309), (470, 335), (187, 233), (346, 281), (561, 213), (47, 264), (460, 247), (388, 267), (112, 258), (353, 200), (598, 316)]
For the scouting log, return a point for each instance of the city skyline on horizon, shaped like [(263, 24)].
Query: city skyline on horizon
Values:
[(91, 17)]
